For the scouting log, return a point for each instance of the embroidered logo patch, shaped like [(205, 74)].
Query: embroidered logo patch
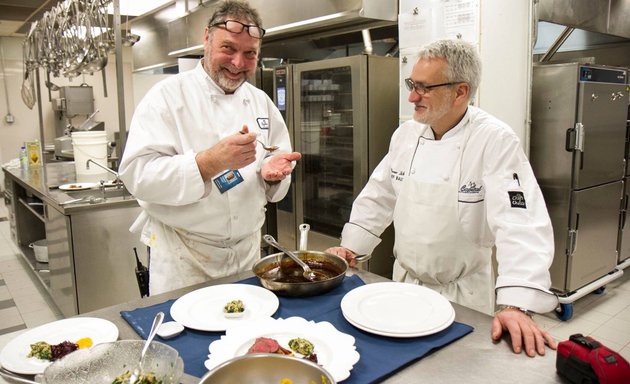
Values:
[(517, 199), (263, 122), (471, 193)]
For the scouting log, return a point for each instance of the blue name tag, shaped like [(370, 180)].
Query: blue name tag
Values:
[(228, 180)]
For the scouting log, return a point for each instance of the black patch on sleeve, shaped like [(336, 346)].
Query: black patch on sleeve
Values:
[(517, 199)]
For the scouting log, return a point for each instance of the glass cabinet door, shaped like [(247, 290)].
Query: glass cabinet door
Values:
[(326, 142)]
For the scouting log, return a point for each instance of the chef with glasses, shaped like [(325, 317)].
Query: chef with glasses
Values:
[(456, 183), (195, 160)]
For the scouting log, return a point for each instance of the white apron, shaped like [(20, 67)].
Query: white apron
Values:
[(431, 248), (180, 259)]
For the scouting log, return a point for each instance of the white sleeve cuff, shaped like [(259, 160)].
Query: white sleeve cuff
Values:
[(534, 300), (358, 240)]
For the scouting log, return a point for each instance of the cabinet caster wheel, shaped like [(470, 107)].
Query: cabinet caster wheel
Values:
[(565, 312), (599, 290)]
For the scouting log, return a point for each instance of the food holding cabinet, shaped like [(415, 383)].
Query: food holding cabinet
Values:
[(341, 114), (577, 153)]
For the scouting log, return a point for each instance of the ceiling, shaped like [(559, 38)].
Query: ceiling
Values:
[(17, 15)]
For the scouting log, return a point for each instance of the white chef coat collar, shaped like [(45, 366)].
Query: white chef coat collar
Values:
[(427, 132)]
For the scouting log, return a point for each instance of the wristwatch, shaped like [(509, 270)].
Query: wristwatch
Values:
[(524, 310)]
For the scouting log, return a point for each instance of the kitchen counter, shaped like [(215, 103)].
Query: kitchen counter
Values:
[(91, 258), (471, 359)]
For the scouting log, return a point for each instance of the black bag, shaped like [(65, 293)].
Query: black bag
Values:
[(584, 360)]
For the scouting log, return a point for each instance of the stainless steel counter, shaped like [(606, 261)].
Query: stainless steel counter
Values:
[(471, 359), (90, 249)]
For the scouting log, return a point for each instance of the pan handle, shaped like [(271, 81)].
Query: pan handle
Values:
[(304, 228), (362, 258)]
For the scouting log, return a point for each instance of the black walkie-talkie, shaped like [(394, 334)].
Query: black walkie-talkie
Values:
[(142, 275)]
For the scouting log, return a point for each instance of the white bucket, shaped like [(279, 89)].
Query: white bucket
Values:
[(86, 146), (40, 248)]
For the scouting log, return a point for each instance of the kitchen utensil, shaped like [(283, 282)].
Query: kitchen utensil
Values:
[(170, 329), (304, 228), (309, 274), (275, 273), (265, 147), (102, 363), (157, 321), (268, 148), (267, 368)]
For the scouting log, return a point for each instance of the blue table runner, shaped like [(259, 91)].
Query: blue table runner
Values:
[(380, 356)]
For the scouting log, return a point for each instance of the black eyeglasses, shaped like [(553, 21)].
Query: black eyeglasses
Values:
[(422, 89), (237, 27)]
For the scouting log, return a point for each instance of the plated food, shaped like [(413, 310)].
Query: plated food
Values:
[(234, 308), (77, 186), (335, 351), (15, 355), (203, 309)]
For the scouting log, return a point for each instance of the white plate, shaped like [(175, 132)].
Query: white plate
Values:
[(14, 355), (335, 350), (397, 309), (203, 309), (77, 186)]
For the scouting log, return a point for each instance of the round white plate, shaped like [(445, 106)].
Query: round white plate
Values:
[(335, 350), (203, 309), (397, 309), (77, 186), (14, 355)]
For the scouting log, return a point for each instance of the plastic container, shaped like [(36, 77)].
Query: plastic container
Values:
[(23, 158), (86, 146), (34, 154), (40, 247)]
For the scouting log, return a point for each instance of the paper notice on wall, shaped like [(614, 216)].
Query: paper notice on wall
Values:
[(430, 20), (461, 19)]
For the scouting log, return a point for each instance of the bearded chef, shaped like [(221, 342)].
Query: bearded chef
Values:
[(455, 183), (195, 162)]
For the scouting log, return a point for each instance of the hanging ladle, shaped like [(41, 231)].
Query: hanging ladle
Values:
[(308, 273)]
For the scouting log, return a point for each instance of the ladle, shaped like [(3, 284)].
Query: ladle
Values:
[(308, 272), (157, 321)]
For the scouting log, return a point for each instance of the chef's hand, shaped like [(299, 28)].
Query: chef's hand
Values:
[(345, 253), (279, 166), (233, 152), (522, 329)]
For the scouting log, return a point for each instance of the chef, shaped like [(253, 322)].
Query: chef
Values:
[(195, 162), (455, 183)]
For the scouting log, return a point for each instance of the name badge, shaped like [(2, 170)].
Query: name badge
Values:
[(517, 199), (228, 180)]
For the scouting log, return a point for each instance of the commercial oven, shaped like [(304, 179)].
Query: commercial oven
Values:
[(577, 153), (341, 113)]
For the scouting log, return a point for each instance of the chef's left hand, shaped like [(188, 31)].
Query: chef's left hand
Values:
[(522, 330), (279, 166)]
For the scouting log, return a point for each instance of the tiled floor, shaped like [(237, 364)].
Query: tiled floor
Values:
[(24, 304)]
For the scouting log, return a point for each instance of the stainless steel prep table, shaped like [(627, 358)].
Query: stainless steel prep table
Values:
[(90, 249), (471, 359)]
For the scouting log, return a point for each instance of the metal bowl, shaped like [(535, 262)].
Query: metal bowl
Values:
[(282, 275), (103, 362), (267, 368)]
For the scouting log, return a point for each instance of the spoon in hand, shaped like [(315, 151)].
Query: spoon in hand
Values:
[(308, 272), (269, 148), (157, 321)]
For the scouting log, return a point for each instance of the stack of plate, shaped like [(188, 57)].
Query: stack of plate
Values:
[(397, 309)]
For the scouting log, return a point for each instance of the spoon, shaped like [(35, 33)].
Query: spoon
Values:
[(269, 148), (308, 272), (157, 321)]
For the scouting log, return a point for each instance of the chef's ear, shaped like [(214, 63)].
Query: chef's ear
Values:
[(462, 90)]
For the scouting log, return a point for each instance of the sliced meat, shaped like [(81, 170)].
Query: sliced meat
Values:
[(264, 345)]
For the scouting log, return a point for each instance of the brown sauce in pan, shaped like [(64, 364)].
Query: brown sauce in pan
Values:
[(293, 273)]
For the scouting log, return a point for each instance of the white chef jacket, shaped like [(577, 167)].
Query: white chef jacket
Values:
[(179, 117), (494, 175)]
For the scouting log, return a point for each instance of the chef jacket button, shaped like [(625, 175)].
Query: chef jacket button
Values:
[(446, 177), (413, 170), (213, 98)]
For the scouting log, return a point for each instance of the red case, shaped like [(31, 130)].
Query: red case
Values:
[(584, 360)]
